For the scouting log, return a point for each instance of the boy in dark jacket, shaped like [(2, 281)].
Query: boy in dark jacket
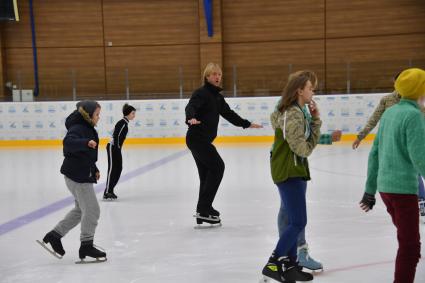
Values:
[(80, 147), (113, 149)]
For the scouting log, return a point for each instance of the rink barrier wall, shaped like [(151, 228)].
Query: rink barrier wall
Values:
[(162, 141), (162, 121)]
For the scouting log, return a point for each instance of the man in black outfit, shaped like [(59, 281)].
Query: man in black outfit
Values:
[(202, 115)]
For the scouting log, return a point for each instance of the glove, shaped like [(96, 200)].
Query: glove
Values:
[(367, 202)]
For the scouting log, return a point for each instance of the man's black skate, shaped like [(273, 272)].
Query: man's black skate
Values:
[(109, 196), (214, 212), (87, 249), (54, 238), (201, 218), (284, 270)]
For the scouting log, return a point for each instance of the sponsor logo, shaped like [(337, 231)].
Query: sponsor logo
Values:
[(176, 123), (138, 123), (162, 107), (51, 109), (251, 106), (12, 109), (359, 113), (370, 104), (345, 129), (150, 123), (345, 112), (39, 125), (26, 124), (25, 109), (38, 109), (162, 123), (52, 125), (175, 107), (331, 113), (264, 106), (149, 108)]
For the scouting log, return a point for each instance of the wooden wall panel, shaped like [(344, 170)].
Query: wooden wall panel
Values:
[(55, 72), (135, 22), (19, 66), (271, 20), (263, 68), (2, 67), (152, 69), (64, 23), (377, 17), (18, 34), (373, 60)]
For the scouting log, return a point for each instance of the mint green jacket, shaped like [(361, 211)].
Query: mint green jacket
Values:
[(398, 151)]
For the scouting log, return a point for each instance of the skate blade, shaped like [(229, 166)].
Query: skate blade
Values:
[(96, 260), (109, 199), (314, 271), (214, 218), (210, 226), (56, 255)]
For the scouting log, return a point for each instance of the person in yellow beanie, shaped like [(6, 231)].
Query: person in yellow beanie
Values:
[(395, 160)]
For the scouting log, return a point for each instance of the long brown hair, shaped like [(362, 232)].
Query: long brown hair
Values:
[(296, 81)]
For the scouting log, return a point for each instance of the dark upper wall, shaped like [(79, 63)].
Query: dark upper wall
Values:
[(94, 43)]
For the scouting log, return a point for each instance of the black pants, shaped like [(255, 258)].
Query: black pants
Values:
[(114, 167), (210, 169)]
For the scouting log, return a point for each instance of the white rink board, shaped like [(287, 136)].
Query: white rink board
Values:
[(165, 118)]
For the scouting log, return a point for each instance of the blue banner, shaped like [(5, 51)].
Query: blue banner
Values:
[(208, 8)]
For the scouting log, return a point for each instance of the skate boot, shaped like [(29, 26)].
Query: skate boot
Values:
[(306, 261), (214, 212), (273, 271), (54, 238), (109, 196), (202, 217), (284, 270), (88, 249)]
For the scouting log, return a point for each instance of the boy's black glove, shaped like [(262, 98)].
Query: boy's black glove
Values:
[(367, 202)]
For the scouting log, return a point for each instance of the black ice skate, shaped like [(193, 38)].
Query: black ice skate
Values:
[(201, 218), (109, 196), (54, 238), (88, 249), (284, 270)]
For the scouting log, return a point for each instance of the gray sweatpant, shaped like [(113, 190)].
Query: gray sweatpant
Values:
[(86, 210)]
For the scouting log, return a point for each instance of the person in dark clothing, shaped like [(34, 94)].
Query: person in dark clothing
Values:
[(202, 115), (80, 148), (113, 148)]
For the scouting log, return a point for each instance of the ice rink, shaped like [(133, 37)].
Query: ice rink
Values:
[(149, 233)]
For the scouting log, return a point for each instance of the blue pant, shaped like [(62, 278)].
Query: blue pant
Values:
[(292, 195), (282, 222), (421, 193)]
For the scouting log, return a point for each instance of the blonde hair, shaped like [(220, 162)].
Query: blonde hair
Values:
[(209, 69), (296, 81)]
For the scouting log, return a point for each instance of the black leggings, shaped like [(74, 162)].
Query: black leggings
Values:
[(210, 170), (114, 167)]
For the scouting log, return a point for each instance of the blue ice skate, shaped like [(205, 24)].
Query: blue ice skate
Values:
[(306, 261)]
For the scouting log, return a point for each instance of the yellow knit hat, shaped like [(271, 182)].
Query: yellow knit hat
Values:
[(410, 84)]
